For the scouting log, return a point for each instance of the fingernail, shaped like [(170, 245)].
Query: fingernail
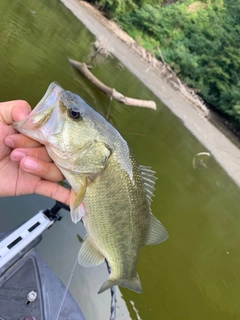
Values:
[(17, 155), (9, 142), (23, 115), (30, 164)]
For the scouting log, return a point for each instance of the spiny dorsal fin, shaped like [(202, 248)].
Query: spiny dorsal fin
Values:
[(157, 231), (89, 256), (148, 181)]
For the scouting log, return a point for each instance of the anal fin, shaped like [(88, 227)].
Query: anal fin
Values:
[(157, 231), (89, 255)]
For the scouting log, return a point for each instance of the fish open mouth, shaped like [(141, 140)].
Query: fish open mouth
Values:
[(49, 99), (44, 119)]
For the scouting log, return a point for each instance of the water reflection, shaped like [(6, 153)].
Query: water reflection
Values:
[(193, 275)]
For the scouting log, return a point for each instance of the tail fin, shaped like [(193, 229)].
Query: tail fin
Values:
[(133, 284)]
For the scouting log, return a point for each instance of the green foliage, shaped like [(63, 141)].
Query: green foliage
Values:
[(117, 7), (199, 39)]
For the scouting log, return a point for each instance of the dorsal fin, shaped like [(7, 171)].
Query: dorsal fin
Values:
[(148, 181)]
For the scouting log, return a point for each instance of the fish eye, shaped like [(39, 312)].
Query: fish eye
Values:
[(74, 114)]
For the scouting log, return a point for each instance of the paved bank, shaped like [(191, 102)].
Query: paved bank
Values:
[(224, 151)]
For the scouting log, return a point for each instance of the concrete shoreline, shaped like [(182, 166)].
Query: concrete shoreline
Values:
[(220, 147)]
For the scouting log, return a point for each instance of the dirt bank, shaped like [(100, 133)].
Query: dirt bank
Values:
[(224, 151)]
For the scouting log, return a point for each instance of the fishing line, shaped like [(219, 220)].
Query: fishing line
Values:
[(67, 287), (109, 107), (113, 289)]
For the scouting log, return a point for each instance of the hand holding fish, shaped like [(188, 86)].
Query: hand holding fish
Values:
[(22, 169)]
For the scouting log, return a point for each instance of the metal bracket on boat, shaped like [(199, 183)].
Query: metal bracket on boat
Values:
[(53, 214)]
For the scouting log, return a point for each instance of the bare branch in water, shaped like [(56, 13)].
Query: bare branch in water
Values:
[(84, 69)]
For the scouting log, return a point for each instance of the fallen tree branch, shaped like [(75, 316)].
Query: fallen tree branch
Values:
[(84, 69)]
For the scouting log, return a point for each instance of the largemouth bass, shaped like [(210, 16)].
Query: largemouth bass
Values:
[(111, 192)]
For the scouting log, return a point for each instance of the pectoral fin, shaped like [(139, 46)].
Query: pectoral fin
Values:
[(89, 255), (78, 213), (157, 231), (77, 209)]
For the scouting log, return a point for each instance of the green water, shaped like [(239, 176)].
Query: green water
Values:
[(195, 274)]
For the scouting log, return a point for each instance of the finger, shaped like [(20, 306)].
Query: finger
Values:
[(42, 169), (21, 141), (14, 110), (37, 153), (53, 190)]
